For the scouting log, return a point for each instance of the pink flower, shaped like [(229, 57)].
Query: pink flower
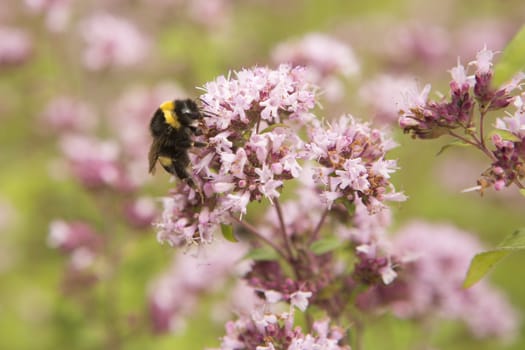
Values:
[(384, 95), (174, 295), (57, 12), (112, 42), (77, 239), (435, 260), (271, 331), (325, 58), (212, 14), (66, 114), (95, 163), (351, 161), (416, 42), (248, 156), (322, 53), (141, 212), (483, 61), (15, 46)]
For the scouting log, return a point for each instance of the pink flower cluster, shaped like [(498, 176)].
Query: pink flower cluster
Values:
[(430, 119), (352, 163), (270, 331), (252, 125), (509, 153), (435, 258), (252, 149)]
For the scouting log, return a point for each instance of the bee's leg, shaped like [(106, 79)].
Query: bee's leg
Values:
[(199, 144), (195, 130)]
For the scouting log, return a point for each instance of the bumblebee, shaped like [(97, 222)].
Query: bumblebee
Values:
[(172, 127)]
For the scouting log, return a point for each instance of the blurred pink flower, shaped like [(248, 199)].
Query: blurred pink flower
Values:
[(494, 33), (57, 12), (384, 94), (95, 163), (175, 294), (210, 13), (66, 114), (112, 42), (324, 57), (436, 259), (15, 46), (416, 42), (77, 239), (141, 212)]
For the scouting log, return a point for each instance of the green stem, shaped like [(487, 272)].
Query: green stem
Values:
[(259, 236), (286, 239)]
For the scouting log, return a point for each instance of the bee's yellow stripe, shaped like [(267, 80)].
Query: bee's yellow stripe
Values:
[(168, 109), (165, 161), (171, 119)]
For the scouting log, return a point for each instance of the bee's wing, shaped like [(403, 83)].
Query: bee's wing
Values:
[(153, 155)]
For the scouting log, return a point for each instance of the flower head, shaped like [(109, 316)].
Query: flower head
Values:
[(252, 148), (351, 162)]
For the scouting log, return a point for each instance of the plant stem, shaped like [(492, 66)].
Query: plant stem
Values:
[(482, 115), (259, 236), (317, 229), (476, 143), (286, 239)]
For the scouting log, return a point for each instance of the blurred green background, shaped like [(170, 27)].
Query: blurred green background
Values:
[(37, 312)]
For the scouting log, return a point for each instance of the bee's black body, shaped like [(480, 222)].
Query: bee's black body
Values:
[(173, 125)]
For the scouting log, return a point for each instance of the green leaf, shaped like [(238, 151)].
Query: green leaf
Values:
[(350, 206), (227, 232), (325, 245), (505, 134), (262, 254), (522, 192), (512, 59), (273, 126), (484, 261), (455, 143)]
